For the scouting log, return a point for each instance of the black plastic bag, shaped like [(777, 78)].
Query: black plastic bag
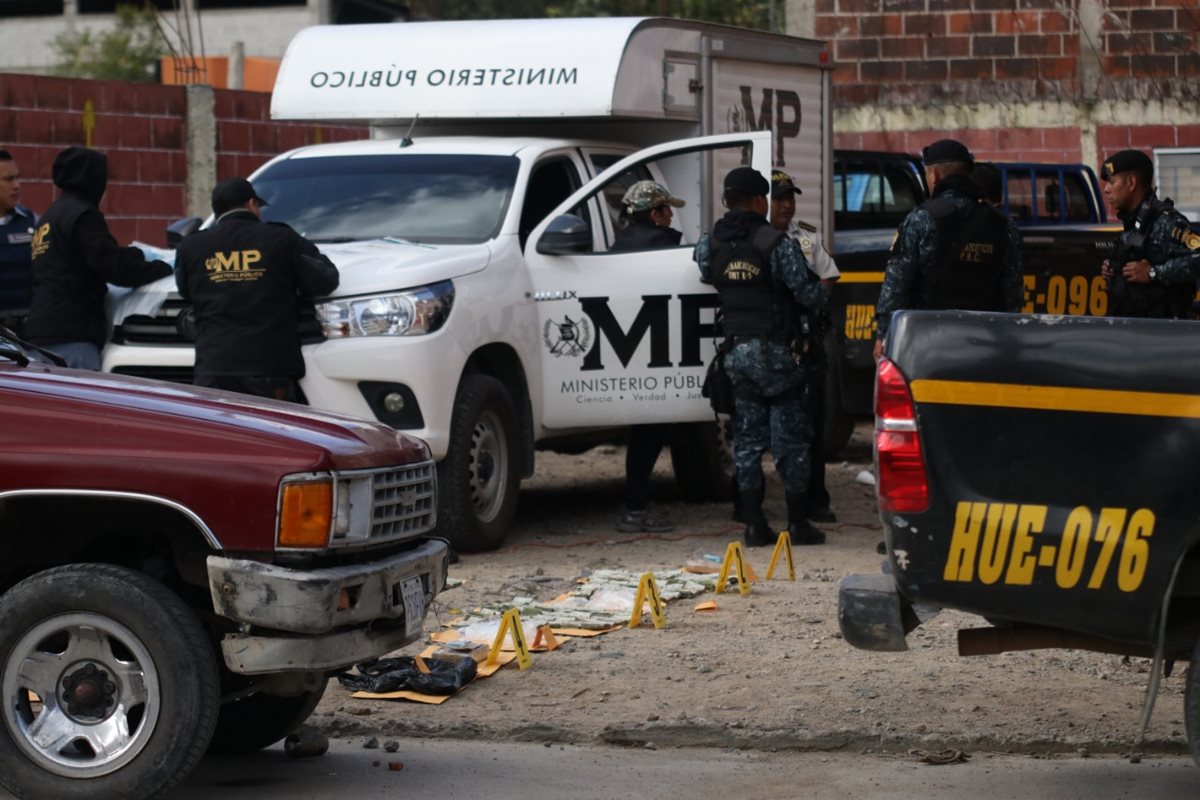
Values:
[(396, 674), (718, 388)]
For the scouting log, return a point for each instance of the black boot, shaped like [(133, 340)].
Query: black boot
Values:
[(800, 530), (758, 531)]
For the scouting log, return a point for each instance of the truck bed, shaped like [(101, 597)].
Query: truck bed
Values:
[(1060, 454)]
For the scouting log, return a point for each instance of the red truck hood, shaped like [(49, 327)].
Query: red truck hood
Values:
[(99, 405)]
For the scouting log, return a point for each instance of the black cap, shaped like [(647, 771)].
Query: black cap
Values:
[(747, 181), (1126, 161), (233, 193), (944, 150), (782, 183)]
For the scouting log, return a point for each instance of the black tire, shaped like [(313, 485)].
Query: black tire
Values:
[(479, 477), (839, 426), (1191, 704), (702, 457), (249, 724), (106, 638)]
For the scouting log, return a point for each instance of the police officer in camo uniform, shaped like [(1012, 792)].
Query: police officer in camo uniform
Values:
[(762, 278), (952, 251), (646, 212), (1153, 270)]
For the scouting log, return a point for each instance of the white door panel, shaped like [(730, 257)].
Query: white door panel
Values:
[(626, 337)]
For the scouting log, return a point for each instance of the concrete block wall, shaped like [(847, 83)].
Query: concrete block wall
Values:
[(144, 131), (1061, 80)]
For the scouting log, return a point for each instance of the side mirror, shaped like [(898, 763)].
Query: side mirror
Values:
[(181, 228), (564, 235)]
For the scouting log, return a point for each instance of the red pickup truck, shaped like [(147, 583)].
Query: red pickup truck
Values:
[(184, 569)]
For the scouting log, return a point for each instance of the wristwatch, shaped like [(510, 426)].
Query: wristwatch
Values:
[(1152, 273)]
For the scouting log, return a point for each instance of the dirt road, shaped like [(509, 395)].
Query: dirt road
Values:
[(764, 671)]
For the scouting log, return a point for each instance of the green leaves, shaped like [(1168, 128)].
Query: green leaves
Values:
[(128, 51)]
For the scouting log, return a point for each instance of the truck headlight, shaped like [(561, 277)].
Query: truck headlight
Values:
[(410, 313)]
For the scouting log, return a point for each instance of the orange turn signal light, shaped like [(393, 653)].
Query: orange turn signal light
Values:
[(307, 515)]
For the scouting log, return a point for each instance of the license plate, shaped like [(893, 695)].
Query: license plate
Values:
[(413, 594)]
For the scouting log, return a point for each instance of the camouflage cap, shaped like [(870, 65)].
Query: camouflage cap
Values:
[(645, 195)]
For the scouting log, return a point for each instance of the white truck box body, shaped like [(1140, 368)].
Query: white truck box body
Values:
[(581, 340)]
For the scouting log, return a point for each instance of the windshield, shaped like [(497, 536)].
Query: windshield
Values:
[(443, 199)]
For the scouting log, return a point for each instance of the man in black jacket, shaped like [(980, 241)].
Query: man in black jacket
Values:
[(74, 258), (245, 279), (647, 214)]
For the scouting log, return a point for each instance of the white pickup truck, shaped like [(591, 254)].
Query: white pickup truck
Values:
[(480, 308)]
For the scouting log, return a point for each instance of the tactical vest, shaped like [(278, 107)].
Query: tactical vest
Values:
[(971, 248), (752, 301), (1154, 300)]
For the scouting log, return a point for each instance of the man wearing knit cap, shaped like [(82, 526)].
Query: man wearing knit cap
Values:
[(954, 250), (764, 284), (1153, 270)]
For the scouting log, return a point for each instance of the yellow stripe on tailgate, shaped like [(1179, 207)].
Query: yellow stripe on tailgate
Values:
[(1056, 398)]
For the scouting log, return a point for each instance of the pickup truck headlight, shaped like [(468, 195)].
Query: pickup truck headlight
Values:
[(410, 313)]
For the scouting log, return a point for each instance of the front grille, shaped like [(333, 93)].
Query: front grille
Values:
[(158, 328), (403, 501)]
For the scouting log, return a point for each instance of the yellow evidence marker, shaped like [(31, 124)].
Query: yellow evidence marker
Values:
[(734, 556), (545, 638), (647, 591), (783, 545), (510, 624)]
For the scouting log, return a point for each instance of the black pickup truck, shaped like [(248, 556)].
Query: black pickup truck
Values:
[(1065, 231), (1039, 471)]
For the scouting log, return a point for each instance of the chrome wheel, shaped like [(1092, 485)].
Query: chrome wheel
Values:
[(81, 695)]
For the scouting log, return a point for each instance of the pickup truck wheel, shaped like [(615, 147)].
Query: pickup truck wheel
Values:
[(479, 477), (109, 686), (249, 724), (702, 457), (1191, 704)]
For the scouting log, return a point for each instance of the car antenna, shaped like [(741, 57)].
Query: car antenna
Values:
[(407, 140)]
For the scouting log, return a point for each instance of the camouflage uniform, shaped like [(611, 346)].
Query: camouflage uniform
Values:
[(762, 369), (915, 256), (1172, 249)]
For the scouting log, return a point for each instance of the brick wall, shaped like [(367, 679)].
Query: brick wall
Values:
[(142, 129), (1069, 78)]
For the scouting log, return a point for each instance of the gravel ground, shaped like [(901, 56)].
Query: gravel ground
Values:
[(764, 671)]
